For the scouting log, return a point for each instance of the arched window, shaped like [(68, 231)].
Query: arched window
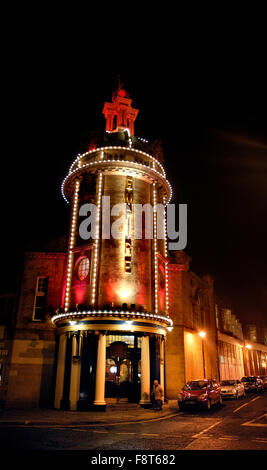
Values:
[(114, 122), (83, 268)]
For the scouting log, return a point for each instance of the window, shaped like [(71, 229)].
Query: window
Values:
[(83, 268), (2, 310), (128, 339), (114, 122), (40, 298), (217, 316), (161, 278), (252, 333), (41, 284), (196, 385), (6, 309)]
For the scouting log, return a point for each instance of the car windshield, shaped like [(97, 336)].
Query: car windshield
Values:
[(228, 382), (248, 379), (196, 385)]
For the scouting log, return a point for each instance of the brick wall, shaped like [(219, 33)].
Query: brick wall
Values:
[(31, 373)]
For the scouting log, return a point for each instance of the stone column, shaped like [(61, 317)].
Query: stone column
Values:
[(60, 370), (100, 373), (162, 363), (75, 372), (145, 372)]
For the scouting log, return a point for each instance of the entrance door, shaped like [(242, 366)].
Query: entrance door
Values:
[(122, 379)]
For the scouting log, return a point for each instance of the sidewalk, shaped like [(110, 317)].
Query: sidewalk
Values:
[(118, 413)]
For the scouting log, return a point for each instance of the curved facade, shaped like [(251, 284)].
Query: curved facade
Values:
[(113, 319)]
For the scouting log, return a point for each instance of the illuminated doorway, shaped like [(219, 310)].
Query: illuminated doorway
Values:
[(122, 368)]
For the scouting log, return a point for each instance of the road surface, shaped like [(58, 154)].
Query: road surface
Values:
[(237, 425)]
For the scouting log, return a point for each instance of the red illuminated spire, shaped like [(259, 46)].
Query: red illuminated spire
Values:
[(119, 114)]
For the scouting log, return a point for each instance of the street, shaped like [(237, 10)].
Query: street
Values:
[(237, 425)]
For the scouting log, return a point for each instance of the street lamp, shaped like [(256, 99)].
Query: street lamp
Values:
[(202, 334)]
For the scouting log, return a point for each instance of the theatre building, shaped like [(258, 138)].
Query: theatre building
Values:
[(100, 320)]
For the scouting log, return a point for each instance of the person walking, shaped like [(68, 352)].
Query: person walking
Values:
[(157, 396)]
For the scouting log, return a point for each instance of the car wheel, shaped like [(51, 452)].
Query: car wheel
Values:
[(181, 406), (236, 395), (220, 401), (244, 394), (208, 405)]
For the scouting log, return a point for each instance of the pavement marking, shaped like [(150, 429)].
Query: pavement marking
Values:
[(147, 434), (229, 438), (205, 430), (126, 433), (259, 440), (63, 429), (132, 422), (76, 429), (101, 432), (92, 425), (58, 428), (255, 399), (252, 422), (245, 404)]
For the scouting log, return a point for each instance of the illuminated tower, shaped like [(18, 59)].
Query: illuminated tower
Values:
[(114, 315)]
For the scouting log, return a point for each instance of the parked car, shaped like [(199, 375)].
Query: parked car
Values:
[(253, 383), (232, 389), (264, 379), (200, 393)]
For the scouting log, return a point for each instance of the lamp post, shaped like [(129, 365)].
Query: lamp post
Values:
[(202, 334), (249, 362)]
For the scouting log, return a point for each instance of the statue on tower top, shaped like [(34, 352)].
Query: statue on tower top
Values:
[(120, 91)]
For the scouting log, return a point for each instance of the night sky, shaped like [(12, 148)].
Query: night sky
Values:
[(214, 133)]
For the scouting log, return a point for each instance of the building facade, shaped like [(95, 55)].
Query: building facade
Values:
[(230, 343), (255, 351), (188, 355), (102, 319), (242, 350)]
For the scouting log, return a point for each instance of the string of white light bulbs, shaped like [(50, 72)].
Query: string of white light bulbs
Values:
[(141, 152), (155, 245), (96, 244), (107, 162), (71, 243), (112, 313), (167, 262)]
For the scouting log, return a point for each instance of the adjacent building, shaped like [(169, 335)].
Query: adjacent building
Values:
[(230, 343)]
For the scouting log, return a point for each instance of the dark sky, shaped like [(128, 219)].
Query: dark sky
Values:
[(214, 133)]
